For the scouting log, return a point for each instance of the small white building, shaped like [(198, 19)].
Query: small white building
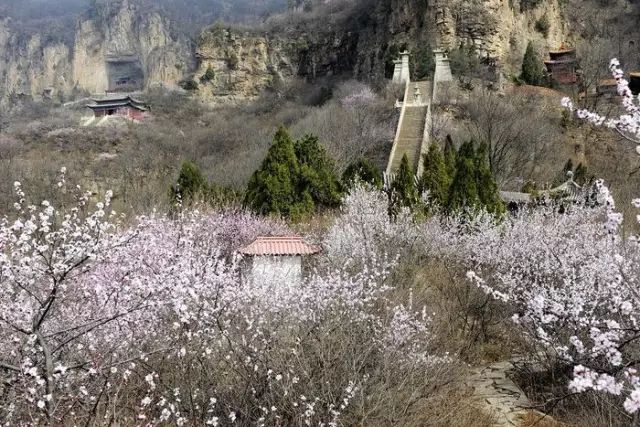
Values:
[(276, 259)]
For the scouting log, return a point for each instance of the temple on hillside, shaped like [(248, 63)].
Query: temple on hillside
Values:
[(119, 105), (562, 66)]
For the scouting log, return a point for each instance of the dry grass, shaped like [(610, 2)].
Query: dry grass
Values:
[(538, 419)]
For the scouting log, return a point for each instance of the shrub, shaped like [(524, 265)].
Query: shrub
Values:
[(189, 84), (364, 171), (542, 26), (209, 75)]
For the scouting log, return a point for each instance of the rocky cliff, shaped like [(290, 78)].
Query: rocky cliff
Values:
[(126, 50), (362, 40)]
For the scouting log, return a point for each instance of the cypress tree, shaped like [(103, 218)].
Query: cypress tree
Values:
[(463, 192), (488, 193), (316, 173), (191, 184), (450, 159), (435, 179), (424, 64), (532, 71), (294, 179), (403, 189), (272, 188), (364, 171)]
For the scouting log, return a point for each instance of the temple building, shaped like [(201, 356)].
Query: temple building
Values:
[(562, 66), (119, 105)]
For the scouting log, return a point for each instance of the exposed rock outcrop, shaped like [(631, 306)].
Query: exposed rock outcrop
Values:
[(129, 38), (363, 41), (239, 66)]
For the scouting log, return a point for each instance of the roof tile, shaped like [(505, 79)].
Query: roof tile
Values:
[(280, 245)]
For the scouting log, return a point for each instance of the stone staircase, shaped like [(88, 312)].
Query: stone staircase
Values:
[(410, 138)]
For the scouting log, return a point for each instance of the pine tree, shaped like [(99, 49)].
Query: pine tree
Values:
[(190, 185), (435, 179), (294, 179), (364, 171), (272, 188), (403, 189), (450, 158), (488, 193), (316, 173), (424, 63), (463, 192), (532, 72)]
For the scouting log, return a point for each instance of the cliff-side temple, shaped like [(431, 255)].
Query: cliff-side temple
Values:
[(562, 65), (124, 73)]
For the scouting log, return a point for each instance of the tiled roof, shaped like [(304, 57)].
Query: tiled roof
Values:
[(281, 245)]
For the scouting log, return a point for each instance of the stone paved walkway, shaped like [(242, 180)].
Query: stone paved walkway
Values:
[(498, 394)]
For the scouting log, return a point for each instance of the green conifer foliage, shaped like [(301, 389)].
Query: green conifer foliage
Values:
[(532, 71), (294, 179), (403, 188), (364, 171), (424, 63), (450, 158), (190, 186), (272, 188), (435, 179), (316, 172), (488, 193), (463, 192)]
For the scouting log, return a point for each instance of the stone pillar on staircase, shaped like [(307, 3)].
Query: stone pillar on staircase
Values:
[(443, 67), (401, 72)]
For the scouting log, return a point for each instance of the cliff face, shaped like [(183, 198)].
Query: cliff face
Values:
[(363, 41), (129, 49), (238, 66)]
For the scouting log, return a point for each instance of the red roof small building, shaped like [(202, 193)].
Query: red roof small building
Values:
[(276, 261), (280, 246)]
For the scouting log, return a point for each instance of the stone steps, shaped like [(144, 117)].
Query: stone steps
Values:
[(410, 138)]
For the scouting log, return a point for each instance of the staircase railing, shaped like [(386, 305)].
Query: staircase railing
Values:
[(426, 140), (396, 140)]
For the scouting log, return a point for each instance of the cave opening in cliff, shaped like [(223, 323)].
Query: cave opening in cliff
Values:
[(125, 74)]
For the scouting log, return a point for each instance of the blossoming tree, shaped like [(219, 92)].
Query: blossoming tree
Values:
[(152, 323)]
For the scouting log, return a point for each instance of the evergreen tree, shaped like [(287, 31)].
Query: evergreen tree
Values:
[(435, 179), (190, 186), (364, 171), (272, 189), (293, 179), (316, 173), (532, 71), (403, 189), (424, 63), (463, 192), (450, 158), (488, 193)]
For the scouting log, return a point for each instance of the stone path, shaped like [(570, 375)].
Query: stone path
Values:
[(410, 138), (498, 394)]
